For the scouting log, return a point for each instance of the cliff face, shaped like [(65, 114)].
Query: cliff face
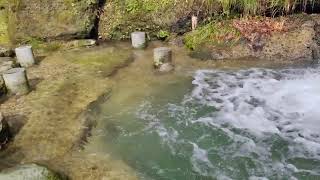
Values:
[(47, 19)]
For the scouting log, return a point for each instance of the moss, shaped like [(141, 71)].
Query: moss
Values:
[(101, 60), (121, 17), (4, 36), (61, 19), (163, 34), (215, 33)]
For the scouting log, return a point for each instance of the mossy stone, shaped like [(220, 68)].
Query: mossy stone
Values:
[(30, 172), (47, 19)]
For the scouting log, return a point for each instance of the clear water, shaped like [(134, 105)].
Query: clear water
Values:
[(214, 124)]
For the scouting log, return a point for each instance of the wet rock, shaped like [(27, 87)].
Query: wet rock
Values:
[(80, 43), (4, 132), (6, 63), (6, 52), (30, 172), (166, 67)]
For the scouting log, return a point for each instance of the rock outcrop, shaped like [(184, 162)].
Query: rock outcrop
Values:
[(47, 19), (30, 172)]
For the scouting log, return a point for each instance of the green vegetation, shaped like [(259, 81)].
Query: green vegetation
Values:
[(214, 33), (121, 17), (4, 37), (163, 34)]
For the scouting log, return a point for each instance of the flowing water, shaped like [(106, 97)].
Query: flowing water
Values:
[(212, 121)]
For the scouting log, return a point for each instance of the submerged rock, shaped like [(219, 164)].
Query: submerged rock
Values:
[(81, 43), (4, 132), (28, 172), (166, 67)]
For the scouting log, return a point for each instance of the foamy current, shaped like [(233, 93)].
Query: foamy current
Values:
[(264, 101), (256, 124)]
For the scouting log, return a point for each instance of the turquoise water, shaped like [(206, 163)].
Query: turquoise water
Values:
[(213, 124)]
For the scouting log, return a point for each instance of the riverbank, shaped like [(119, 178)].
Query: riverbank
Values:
[(48, 122)]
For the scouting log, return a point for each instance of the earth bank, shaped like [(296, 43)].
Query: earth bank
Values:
[(47, 25), (51, 116)]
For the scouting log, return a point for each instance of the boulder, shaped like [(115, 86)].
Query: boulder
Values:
[(47, 19), (28, 172), (4, 132)]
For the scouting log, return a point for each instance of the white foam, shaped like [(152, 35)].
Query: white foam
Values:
[(263, 101), (200, 161)]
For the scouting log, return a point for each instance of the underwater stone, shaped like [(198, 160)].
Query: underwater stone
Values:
[(16, 81), (138, 40), (25, 56), (166, 67), (30, 172), (162, 55)]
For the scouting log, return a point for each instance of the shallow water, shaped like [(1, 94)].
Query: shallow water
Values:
[(244, 120)]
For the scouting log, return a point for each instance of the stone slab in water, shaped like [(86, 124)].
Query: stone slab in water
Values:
[(28, 172)]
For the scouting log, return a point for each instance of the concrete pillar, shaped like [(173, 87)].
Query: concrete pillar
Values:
[(16, 81), (194, 22), (162, 55), (25, 56), (138, 40)]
